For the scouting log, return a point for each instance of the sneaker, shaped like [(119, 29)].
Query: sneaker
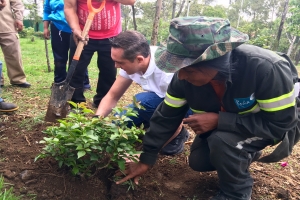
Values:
[(8, 107), (221, 196), (176, 146), (86, 87)]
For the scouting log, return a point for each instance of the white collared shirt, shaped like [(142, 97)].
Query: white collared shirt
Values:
[(154, 80)]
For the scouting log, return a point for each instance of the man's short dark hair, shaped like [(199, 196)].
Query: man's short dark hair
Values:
[(133, 43)]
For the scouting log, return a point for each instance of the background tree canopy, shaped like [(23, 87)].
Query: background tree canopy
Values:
[(271, 24)]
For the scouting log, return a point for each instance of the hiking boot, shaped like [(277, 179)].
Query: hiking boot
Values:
[(176, 146), (8, 107), (221, 196)]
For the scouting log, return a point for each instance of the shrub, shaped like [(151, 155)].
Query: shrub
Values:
[(39, 34), (26, 32), (84, 143)]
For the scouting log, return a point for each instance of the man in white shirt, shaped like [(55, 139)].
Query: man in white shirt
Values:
[(135, 58)]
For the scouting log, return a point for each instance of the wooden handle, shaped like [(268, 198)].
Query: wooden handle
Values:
[(87, 26)]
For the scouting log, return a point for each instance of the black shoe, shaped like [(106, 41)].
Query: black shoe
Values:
[(222, 196), (8, 107), (22, 85), (176, 146), (1, 85)]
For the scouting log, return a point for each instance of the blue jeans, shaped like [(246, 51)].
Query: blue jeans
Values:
[(150, 101)]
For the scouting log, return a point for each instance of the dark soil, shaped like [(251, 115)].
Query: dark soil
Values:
[(169, 179)]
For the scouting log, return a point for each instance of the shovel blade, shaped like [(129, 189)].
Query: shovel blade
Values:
[(58, 105)]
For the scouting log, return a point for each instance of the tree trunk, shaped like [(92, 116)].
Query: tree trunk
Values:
[(133, 18), (296, 46), (180, 9), (156, 23), (173, 8), (297, 58), (281, 25), (37, 26), (291, 46)]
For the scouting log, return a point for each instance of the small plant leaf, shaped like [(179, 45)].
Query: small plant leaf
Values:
[(75, 170), (80, 154), (121, 164)]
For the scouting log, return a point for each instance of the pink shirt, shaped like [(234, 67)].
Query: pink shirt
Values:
[(106, 23)]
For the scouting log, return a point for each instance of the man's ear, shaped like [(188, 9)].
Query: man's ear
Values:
[(140, 58)]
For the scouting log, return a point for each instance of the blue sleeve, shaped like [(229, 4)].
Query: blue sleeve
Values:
[(47, 10)]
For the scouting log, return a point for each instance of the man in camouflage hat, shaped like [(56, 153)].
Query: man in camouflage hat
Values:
[(243, 98)]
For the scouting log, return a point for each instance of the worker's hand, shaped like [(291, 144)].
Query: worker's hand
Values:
[(77, 37), (46, 33), (2, 4), (19, 25), (133, 170), (202, 123)]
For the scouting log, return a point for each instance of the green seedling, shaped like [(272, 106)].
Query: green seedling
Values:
[(82, 143)]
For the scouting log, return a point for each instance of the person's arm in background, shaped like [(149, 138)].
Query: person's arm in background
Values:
[(47, 12), (18, 9), (112, 97), (126, 2)]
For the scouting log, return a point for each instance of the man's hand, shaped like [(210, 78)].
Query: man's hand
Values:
[(46, 33), (133, 170), (2, 4), (19, 25), (77, 37), (202, 123)]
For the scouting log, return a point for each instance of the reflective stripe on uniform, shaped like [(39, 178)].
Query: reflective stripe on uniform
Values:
[(278, 103), (197, 111), (174, 102), (255, 109)]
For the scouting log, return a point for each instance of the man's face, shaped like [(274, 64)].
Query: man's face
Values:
[(197, 77), (126, 65)]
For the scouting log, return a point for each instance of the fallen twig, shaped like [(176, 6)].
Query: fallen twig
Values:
[(26, 138)]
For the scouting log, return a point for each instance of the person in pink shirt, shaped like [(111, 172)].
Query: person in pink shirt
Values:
[(106, 24)]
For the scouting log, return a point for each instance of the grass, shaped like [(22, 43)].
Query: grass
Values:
[(33, 101), (6, 194)]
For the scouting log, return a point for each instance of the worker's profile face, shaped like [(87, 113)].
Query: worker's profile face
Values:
[(128, 66), (197, 77)]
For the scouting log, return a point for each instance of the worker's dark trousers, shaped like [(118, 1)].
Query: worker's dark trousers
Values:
[(107, 71), (60, 42), (230, 154)]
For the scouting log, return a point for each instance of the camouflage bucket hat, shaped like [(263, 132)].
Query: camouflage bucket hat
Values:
[(195, 39)]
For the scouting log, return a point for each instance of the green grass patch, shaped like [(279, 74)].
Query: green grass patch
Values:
[(5, 193)]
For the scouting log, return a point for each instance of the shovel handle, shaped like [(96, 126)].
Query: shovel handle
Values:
[(87, 26), (79, 48)]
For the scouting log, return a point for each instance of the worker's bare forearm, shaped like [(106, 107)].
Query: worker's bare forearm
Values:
[(106, 105), (70, 9)]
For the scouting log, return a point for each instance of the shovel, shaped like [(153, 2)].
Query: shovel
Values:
[(62, 92)]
